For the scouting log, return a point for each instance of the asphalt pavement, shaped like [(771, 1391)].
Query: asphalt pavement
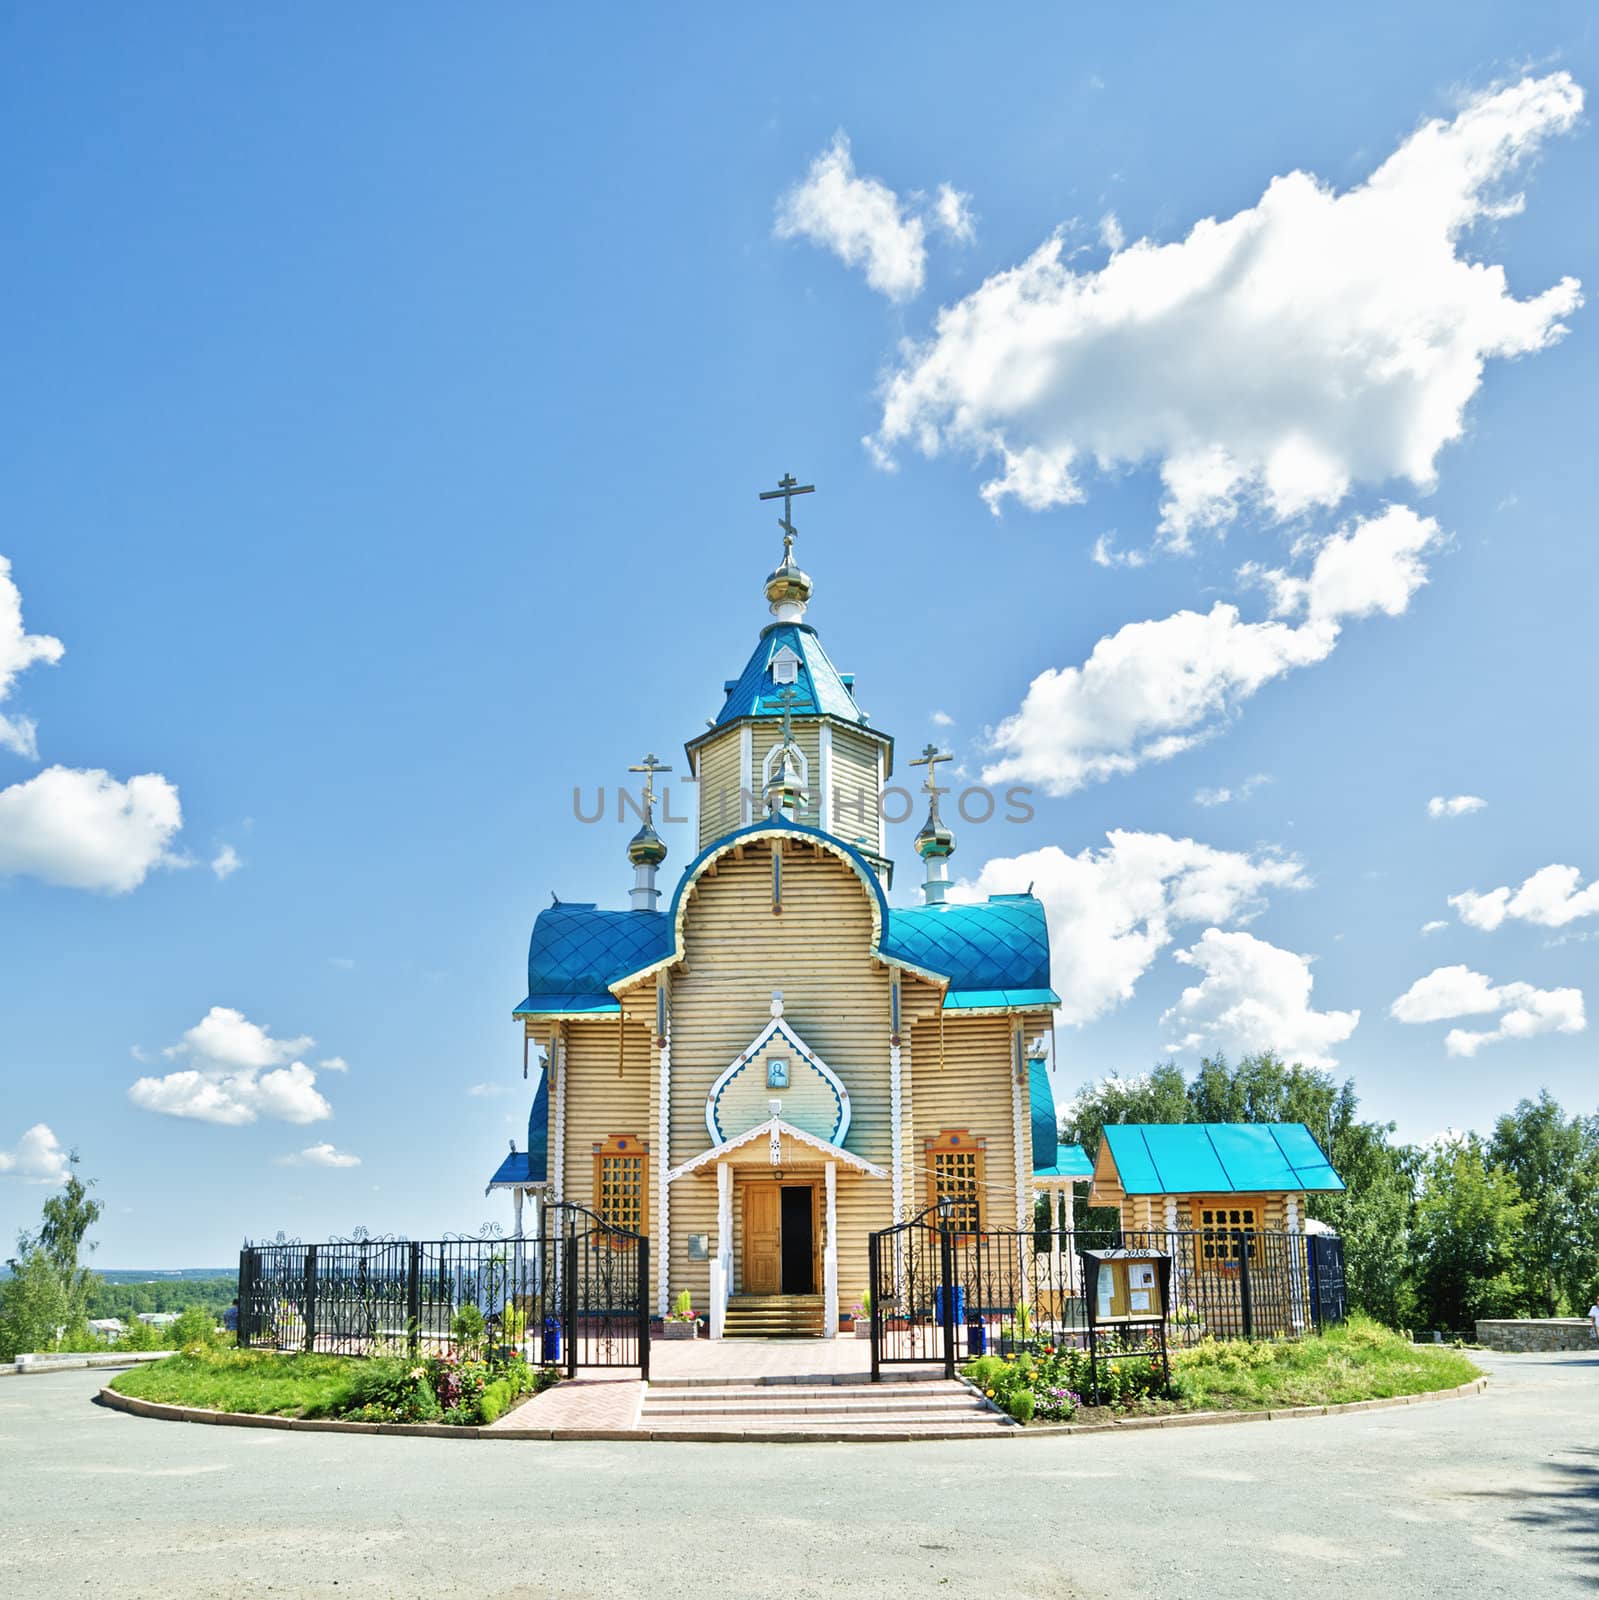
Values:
[(1470, 1498)]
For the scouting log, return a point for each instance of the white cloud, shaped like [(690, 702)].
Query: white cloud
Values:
[(19, 650), (1255, 996), (1435, 926), (1154, 689), (1110, 232), (1105, 554), (1550, 898), (484, 1091), (859, 219), (1523, 1011), (85, 830), (226, 862), (952, 212), (1445, 992), (240, 1075), (320, 1155), (1310, 342), (228, 1038), (942, 719), (233, 1098), (333, 1064), (1112, 911), (1455, 805), (37, 1157), (1222, 795)]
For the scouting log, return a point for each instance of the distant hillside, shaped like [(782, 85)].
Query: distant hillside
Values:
[(161, 1274)]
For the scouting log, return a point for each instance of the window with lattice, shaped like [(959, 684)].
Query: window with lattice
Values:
[(1226, 1229), (621, 1182), (955, 1171)]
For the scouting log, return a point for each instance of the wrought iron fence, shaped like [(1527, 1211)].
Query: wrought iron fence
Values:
[(940, 1296), (576, 1295)]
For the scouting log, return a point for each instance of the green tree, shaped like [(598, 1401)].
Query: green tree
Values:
[(1555, 1161), (1468, 1223), (1372, 1215), (48, 1291), (1160, 1095)]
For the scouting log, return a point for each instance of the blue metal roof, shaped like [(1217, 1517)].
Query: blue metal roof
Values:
[(1051, 1158), (530, 1165), (993, 953), (578, 951), (1218, 1158), (820, 689)]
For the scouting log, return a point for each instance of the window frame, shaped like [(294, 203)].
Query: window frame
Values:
[(626, 1148), (1214, 1246), (957, 1144)]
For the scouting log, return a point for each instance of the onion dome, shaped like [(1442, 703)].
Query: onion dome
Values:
[(935, 841), (646, 848), (788, 587)]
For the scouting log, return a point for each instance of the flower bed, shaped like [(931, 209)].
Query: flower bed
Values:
[(1361, 1360), (461, 1390)]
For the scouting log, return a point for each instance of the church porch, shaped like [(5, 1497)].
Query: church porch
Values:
[(774, 1254)]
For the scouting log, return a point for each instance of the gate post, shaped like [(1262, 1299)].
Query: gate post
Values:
[(241, 1332), (413, 1298), (874, 1289), (310, 1297), (569, 1300), (644, 1309), (946, 1273), (1243, 1284)]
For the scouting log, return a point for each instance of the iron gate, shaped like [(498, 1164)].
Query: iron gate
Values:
[(943, 1296), (577, 1296), (596, 1281)]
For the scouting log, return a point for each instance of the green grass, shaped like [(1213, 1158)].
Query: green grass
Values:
[(258, 1381), (1362, 1360)]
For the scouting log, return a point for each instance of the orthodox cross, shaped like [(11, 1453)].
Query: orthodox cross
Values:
[(787, 487), (930, 757), (649, 766), (788, 700)]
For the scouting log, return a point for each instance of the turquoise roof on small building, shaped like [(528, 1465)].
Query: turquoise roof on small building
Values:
[(820, 689), (522, 1168), (1218, 1158), (994, 953), (1051, 1158)]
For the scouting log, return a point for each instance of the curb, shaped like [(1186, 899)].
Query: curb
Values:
[(432, 1430), (99, 1361)]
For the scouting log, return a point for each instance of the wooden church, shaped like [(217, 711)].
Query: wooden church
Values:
[(774, 1062)]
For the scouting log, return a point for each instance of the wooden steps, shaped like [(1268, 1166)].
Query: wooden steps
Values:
[(773, 1316)]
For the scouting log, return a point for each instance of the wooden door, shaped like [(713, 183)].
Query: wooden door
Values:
[(763, 1239)]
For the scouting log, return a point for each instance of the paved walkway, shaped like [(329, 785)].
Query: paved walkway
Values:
[(614, 1401), (1464, 1500)]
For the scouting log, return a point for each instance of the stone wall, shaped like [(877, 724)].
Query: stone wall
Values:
[(1537, 1333)]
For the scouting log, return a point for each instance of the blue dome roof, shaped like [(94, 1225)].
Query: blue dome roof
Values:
[(995, 953), (578, 951), (820, 689), (522, 1167)]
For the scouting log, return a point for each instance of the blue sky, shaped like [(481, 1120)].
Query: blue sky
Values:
[(385, 402)]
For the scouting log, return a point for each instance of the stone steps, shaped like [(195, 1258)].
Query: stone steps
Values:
[(925, 1406)]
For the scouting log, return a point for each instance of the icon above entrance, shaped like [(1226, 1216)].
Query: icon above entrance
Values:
[(813, 1099)]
